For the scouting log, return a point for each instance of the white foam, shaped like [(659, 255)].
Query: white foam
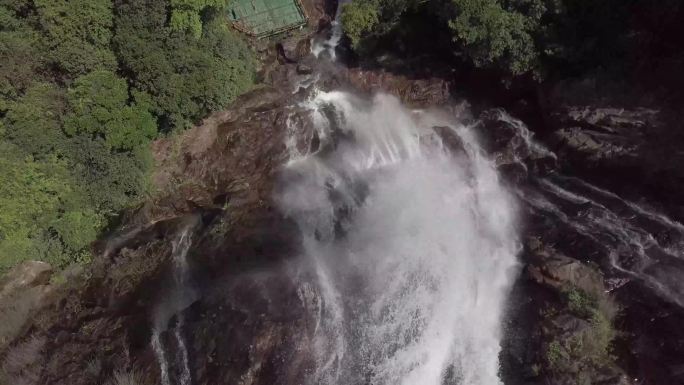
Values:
[(414, 249)]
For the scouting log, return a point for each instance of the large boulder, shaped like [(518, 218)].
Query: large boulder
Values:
[(512, 145), (551, 268), (602, 134), (26, 275), (23, 291)]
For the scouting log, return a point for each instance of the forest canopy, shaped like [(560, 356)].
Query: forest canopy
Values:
[(516, 37), (85, 86)]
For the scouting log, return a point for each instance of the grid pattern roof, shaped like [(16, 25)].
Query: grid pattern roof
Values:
[(265, 17)]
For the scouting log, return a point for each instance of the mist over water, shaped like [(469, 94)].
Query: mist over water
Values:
[(412, 245)]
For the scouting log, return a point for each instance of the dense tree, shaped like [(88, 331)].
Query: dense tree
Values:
[(112, 180), (359, 18), (562, 37), (43, 216), (98, 102), (491, 34), (33, 121), (19, 54), (186, 78), (77, 34), (81, 99), (186, 14)]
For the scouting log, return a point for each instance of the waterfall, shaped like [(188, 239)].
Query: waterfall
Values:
[(330, 44), (181, 295), (412, 243)]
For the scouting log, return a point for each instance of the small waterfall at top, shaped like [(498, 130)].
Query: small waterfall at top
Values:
[(412, 242), (329, 45), (180, 297)]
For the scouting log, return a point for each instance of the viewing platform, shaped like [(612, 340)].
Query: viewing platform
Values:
[(263, 18)]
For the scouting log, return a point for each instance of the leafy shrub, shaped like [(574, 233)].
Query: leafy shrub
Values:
[(358, 18), (491, 33), (185, 15), (580, 303), (112, 180), (34, 121), (555, 353), (589, 346), (19, 54)]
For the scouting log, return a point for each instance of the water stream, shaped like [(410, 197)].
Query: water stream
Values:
[(180, 295), (413, 243)]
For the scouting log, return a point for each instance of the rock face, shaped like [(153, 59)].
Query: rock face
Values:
[(22, 292), (622, 143), (416, 92), (319, 13), (556, 271), (25, 276), (259, 334)]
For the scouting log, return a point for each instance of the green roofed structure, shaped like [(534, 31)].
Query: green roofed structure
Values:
[(262, 18)]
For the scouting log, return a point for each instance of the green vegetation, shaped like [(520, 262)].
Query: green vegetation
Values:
[(489, 32), (580, 303), (185, 15), (555, 353), (587, 346), (85, 85), (358, 18), (543, 37), (182, 78)]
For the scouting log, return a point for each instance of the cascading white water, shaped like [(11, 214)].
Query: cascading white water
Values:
[(180, 297), (330, 44), (625, 233), (413, 245)]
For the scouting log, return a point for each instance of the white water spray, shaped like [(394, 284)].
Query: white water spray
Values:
[(330, 44), (413, 246), (180, 297)]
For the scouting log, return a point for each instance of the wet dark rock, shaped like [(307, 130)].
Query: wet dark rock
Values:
[(553, 269), (617, 143), (319, 13), (245, 329), (602, 134), (304, 69), (512, 145), (450, 140), (415, 92)]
